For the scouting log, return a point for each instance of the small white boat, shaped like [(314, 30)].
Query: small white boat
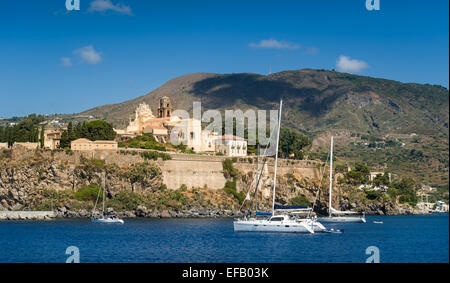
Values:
[(339, 216), (108, 220), (377, 222), (332, 231), (103, 219), (342, 219)]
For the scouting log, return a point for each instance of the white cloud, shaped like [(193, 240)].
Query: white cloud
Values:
[(347, 64), (274, 44), (66, 62), (106, 5), (88, 54)]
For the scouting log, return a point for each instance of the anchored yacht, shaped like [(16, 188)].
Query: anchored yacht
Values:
[(340, 216), (278, 223), (279, 220), (103, 219)]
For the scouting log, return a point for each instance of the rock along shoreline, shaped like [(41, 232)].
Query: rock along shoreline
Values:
[(68, 214), (63, 213)]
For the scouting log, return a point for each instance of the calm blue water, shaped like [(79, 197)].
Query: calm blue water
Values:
[(399, 239)]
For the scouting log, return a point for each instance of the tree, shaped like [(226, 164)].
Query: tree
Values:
[(381, 180), (292, 143), (93, 130), (98, 130), (70, 132), (42, 136), (406, 191), (2, 134), (27, 130), (359, 175), (65, 141), (141, 172)]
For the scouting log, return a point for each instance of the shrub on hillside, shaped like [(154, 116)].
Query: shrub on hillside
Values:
[(126, 200), (89, 193), (143, 142), (154, 155), (230, 188), (228, 169), (300, 200)]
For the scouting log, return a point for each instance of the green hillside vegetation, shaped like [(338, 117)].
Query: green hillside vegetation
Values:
[(26, 130), (92, 130), (143, 142)]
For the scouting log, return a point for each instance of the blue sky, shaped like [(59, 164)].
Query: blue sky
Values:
[(56, 61)]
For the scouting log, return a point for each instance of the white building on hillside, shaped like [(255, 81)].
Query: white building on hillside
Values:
[(209, 141), (231, 145), (188, 132)]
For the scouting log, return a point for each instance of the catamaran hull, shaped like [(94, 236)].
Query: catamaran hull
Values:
[(343, 219), (247, 226)]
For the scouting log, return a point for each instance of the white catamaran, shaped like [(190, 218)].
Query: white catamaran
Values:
[(103, 219), (282, 222), (340, 216)]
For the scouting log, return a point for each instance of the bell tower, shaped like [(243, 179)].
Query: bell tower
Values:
[(165, 107)]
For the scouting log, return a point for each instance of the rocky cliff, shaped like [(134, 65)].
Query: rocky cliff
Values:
[(68, 183)]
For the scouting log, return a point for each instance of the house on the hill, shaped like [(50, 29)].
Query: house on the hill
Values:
[(231, 145), (85, 144), (52, 138)]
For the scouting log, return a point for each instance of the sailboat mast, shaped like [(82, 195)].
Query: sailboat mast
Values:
[(331, 176), (276, 158), (257, 183), (103, 189)]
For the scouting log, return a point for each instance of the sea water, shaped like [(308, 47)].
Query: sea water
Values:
[(399, 239)]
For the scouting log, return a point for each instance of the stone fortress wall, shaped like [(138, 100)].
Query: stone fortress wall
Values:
[(192, 170)]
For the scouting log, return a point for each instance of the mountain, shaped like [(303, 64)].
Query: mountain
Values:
[(402, 127), (315, 100)]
